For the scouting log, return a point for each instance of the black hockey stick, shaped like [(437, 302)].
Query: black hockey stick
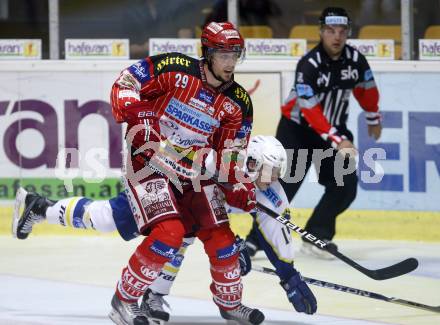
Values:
[(354, 291), (389, 272), (392, 271)]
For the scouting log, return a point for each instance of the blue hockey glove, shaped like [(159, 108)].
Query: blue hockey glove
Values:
[(300, 295), (244, 258)]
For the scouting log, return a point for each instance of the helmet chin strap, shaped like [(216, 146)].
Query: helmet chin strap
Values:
[(213, 73)]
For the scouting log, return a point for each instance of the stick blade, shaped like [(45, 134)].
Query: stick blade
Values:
[(393, 271), (434, 309)]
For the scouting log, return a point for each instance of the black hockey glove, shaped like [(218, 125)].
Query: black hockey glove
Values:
[(244, 258)]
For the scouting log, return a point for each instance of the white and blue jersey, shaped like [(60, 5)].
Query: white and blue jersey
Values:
[(274, 238)]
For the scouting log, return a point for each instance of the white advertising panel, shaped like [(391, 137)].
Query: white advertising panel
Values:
[(187, 46), (13, 49), (429, 49), (374, 49), (257, 48), (110, 49)]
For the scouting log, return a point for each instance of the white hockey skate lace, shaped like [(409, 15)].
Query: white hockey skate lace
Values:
[(241, 312), (29, 222), (156, 302), (133, 309)]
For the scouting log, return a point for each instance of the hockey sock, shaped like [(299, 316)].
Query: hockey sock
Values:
[(145, 264), (223, 253), (162, 285), (70, 213)]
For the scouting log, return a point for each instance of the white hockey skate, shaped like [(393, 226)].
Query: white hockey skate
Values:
[(153, 305), (123, 313), (242, 315), (34, 207)]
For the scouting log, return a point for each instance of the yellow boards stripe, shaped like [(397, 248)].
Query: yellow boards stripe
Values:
[(353, 224)]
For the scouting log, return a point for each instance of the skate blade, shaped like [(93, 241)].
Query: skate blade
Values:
[(156, 321), (19, 203), (116, 318), (237, 322)]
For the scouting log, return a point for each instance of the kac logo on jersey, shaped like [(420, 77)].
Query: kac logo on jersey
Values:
[(349, 73), (141, 71), (304, 90), (229, 107), (206, 96)]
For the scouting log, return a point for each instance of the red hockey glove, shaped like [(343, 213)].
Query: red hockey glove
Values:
[(241, 196), (143, 130)]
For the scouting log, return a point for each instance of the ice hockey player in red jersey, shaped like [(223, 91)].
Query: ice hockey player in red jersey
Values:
[(172, 102), (265, 162)]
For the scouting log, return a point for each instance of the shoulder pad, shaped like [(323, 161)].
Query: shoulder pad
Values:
[(239, 95)]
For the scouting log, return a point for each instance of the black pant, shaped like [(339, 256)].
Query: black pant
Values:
[(340, 190)]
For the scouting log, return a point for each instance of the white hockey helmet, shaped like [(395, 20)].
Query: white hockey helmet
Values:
[(265, 150)]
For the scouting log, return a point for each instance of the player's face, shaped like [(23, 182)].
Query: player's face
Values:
[(223, 64), (266, 176), (333, 39)]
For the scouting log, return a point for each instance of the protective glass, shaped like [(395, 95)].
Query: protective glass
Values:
[(224, 56)]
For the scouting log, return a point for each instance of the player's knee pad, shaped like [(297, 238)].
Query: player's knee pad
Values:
[(167, 275), (150, 256), (219, 243), (223, 254), (163, 242), (171, 268)]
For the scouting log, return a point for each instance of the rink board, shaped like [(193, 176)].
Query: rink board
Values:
[(352, 224)]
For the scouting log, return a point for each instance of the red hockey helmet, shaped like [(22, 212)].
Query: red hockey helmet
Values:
[(222, 36)]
